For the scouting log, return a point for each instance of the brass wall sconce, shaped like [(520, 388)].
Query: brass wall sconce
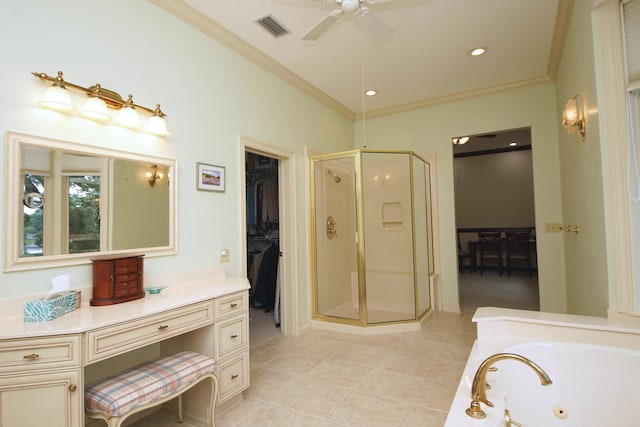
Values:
[(461, 140), (154, 175), (573, 117), (99, 100)]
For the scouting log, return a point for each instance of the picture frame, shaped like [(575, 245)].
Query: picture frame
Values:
[(210, 177)]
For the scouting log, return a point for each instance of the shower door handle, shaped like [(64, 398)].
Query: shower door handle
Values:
[(331, 227)]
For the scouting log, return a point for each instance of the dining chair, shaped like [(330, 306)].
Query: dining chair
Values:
[(462, 255), (519, 250), (490, 250)]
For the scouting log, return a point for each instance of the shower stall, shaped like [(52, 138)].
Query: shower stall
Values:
[(371, 238)]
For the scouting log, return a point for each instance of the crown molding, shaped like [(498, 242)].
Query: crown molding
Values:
[(454, 97)]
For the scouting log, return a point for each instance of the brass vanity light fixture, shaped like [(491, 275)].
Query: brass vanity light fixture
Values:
[(572, 117), (58, 98), (154, 175)]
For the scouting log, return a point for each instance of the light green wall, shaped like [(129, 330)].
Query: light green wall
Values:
[(211, 96), (430, 129), (581, 178)]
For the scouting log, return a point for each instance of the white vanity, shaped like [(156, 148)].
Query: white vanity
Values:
[(44, 366)]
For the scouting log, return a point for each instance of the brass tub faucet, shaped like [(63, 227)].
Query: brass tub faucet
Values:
[(479, 385)]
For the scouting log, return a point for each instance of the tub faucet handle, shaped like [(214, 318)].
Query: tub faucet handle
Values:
[(508, 421)]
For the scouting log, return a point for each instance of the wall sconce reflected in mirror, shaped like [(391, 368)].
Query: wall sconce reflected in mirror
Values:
[(154, 175), (572, 117), (461, 140), (57, 98)]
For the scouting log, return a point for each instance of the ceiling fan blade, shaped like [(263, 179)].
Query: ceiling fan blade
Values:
[(321, 27), (378, 31)]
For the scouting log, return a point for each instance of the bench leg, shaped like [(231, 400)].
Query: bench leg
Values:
[(180, 418)]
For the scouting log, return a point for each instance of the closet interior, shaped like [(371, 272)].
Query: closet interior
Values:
[(263, 241)]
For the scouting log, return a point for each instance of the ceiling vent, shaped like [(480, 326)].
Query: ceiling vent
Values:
[(270, 24)]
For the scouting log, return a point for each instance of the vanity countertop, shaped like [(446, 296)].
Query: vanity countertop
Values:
[(88, 317)]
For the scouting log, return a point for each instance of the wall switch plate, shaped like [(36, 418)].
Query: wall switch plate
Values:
[(552, 227), (224, 255)]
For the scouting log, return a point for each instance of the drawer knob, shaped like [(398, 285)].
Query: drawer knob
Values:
[(234, 376), (233, 305), (32, 356), (234, 336), (73, 387), (162, 327)]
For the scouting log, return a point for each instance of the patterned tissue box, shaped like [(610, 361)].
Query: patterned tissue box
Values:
[(44, 309)]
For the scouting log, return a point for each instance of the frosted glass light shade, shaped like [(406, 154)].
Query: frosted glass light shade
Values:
[(157, 126), (128, 118), (95, 109), (57, 99)]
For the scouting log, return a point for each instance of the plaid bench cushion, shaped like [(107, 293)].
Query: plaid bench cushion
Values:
[(117, 395)]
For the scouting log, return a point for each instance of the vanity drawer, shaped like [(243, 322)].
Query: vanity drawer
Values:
[(34, 354), (113, 340), (128, 265), (127, 277), (234, 377), (232, 304), (231, 336)]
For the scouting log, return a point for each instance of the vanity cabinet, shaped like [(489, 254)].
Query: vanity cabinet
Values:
[(232, 344), (43, 365), (117, 279), (40, 382)]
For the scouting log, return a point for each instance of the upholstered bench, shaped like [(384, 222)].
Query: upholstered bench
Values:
[(149, 384)]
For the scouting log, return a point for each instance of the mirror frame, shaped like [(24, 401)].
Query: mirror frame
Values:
[(13, 203)]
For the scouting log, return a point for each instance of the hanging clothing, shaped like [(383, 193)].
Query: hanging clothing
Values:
[(269, 201)]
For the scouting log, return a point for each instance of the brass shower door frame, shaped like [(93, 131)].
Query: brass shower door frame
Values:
[(360, 237)]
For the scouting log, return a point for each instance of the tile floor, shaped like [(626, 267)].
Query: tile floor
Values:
[(322, 378), (326, 378)]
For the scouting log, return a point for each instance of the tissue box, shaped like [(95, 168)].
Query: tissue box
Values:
[(44, 309)]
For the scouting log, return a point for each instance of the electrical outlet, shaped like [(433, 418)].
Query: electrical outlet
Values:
[(552, 227), (224, 255)]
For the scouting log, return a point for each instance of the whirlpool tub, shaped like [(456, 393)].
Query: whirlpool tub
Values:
[(593, 385)]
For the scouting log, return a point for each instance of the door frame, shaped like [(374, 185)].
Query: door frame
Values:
[(289, 310)]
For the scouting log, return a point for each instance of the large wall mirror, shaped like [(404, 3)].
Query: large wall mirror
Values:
[(66, 203)]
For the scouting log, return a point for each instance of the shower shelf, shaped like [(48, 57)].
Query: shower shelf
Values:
[(391, 215)]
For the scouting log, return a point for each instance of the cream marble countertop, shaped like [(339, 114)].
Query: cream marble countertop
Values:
[(177, 294)]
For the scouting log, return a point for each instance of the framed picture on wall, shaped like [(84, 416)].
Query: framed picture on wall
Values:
[(210, 177)]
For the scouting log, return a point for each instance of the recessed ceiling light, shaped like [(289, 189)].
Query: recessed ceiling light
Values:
[(478, 51), (371, 92), (460, 140), (513, 144)]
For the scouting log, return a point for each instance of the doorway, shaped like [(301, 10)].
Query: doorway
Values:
[(263, 245), (284, 163), (493, 181)]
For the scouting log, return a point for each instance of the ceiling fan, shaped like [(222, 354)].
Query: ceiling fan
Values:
[(373, 27)]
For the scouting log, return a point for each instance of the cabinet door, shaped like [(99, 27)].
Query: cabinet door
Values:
[(48, 399)]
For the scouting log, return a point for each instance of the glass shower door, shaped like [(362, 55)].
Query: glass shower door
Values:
[(336, 257)]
